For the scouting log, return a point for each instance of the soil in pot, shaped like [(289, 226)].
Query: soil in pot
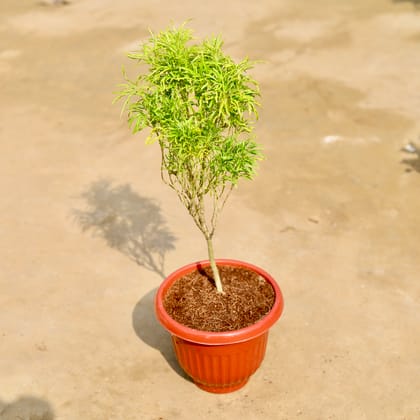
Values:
[(194, 302)]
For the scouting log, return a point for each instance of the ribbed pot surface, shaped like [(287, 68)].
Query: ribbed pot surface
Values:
[(223, 368)]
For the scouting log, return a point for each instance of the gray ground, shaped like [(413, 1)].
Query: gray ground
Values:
[(88, 230)]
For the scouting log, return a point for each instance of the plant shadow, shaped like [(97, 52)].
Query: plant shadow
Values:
[(26, 407), (133, 225), (128, 222), (148, 329)]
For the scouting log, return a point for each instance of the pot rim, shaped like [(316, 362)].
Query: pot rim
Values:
[(217, 338)]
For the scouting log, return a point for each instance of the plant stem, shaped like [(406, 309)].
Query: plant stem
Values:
[(213, 266)]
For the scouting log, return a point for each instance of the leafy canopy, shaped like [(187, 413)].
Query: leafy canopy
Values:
[(200, 106)]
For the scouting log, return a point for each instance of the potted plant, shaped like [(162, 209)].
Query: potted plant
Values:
[(200, 106)]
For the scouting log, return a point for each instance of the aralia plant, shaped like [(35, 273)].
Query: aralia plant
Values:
[(200, 106)]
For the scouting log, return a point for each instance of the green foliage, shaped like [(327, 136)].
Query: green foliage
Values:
[(200, 106)]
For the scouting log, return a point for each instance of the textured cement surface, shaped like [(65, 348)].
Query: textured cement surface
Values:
[(88, 230)]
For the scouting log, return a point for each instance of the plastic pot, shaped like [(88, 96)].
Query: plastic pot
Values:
[(219, 362)]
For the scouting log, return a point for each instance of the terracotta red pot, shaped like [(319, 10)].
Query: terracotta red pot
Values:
[(219, 362)]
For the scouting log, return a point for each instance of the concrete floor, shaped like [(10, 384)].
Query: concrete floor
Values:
[(334, 213)]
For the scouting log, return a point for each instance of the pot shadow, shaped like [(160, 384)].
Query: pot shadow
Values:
[(148, 329), (128, 222), (26, 407)]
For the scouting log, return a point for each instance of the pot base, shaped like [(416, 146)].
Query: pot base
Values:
[(220, 369), (215, 389)]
